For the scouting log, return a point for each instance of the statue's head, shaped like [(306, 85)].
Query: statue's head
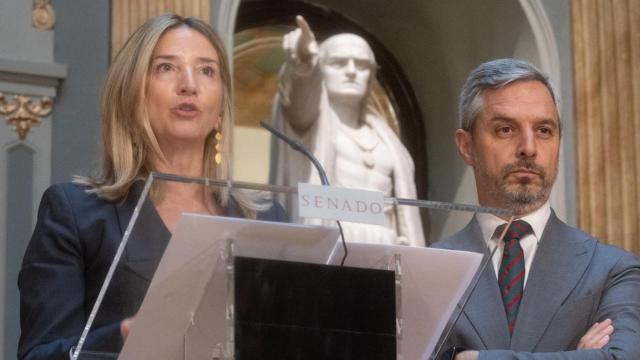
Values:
[(348, 67)]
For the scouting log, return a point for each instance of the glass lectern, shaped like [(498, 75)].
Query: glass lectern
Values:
[(249, 283)]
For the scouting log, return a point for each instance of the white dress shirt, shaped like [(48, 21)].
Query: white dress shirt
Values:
[(537, 219)]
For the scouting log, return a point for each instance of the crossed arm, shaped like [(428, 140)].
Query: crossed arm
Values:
[(615, 337), (595, 338)]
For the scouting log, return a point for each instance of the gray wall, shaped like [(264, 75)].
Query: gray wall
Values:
[(31, 62), (24, 165), (559, 14), (20, 181), (82, 43), (20, 41)]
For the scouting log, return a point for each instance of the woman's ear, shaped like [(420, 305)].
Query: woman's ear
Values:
[(218, 124), (464, 143)]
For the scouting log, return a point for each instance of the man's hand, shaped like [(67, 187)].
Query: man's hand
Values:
[(597, 337), (301, 48), (467, 355)]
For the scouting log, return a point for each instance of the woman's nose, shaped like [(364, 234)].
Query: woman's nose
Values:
[(187, 85)]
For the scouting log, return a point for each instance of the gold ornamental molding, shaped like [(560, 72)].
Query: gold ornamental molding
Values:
[(22, 113), (43, 17)]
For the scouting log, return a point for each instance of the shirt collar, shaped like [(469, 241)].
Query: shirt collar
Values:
[(537, 219)]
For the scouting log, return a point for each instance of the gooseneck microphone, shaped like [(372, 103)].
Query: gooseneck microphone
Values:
[(297, 146)]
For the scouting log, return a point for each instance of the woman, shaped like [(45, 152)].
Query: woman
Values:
[(166, 107)]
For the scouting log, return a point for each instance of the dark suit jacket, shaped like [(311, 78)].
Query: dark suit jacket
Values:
[(74, 241), (574, 281)]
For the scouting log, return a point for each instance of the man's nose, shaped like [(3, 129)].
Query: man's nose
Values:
[(527, 147), (351, 67), (187, 84)]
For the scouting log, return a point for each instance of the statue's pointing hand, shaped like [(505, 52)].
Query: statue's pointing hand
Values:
[(301, 48)]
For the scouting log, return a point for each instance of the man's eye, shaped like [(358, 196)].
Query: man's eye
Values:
[(337, 62), (545, 131), (362, 64), (505, 130)]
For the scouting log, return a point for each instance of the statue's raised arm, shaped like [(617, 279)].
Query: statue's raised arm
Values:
[(300, 81)]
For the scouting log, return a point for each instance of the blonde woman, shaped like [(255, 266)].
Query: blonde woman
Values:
[(166, 107)]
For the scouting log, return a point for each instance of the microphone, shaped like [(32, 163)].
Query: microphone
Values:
[(472, 288), (297, 146)]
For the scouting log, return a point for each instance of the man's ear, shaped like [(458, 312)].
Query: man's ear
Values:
[(464, 143)]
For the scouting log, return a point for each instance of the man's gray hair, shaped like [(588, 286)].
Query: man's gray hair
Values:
[(492, 75)]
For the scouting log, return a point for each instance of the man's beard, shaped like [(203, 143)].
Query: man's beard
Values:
[(522, 195)]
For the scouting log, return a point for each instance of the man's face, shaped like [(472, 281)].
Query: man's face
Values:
[(346, 64), (514, 146)]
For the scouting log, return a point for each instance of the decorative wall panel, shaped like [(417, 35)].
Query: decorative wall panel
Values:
[(606, 48), (126, 16)]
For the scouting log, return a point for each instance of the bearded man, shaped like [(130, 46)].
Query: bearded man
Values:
[(553, 292)]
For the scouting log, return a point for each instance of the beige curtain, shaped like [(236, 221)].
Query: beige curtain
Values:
[(606, 59), (127, 15)]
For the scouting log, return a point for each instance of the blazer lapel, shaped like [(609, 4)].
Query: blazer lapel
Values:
[(149, 236), (559, 263), (485, 310)]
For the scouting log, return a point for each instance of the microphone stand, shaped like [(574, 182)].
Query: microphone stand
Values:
[(297, 146)]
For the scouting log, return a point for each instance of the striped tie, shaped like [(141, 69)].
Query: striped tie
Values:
[(511, 274)]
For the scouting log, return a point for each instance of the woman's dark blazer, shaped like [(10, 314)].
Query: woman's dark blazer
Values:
[(75, 238)]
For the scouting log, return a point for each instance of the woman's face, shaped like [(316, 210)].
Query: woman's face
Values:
[(184, 88)]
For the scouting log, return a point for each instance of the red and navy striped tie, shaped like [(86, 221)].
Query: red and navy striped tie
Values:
[(511, 274)]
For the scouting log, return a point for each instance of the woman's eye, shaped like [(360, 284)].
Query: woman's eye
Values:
[(209, 71), (164, 67)]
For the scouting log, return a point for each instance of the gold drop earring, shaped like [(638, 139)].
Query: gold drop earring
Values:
[(218, 147)]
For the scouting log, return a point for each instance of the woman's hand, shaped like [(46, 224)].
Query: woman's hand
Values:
[(125, 326), (467, 355)]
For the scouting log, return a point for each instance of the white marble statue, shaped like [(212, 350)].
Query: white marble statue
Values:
[(322, 102)]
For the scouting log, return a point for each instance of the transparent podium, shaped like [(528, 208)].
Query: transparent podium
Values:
[(250, 283)]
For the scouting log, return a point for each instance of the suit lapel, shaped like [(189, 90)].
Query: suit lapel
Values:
[(149, 236), (559, 263), (485, 310)]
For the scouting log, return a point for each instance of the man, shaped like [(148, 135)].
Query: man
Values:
[(553, 292), (322, 101)]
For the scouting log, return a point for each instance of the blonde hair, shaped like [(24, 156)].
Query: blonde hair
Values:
[(129, 143)]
